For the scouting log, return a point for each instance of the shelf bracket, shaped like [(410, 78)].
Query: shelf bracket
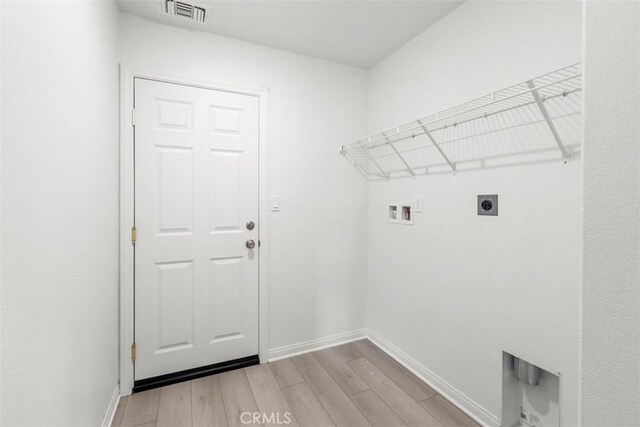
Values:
[(547, 118), (435, 144), (411, 172), (368, 156)]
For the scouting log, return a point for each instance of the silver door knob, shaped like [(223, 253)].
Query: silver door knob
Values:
[(250, 244)]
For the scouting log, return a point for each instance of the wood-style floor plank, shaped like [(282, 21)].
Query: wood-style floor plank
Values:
[(271, 402), (117, 417), (207, 405), (285, 373), (340, 408), (447, 413), (141, 408), (341, 373), (400, 375), (237, 396), (306, 406), (376, 411), (175, 405), (347, 352), (355, 384), (402, 404)]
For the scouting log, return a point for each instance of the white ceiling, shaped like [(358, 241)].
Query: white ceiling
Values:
[(357, 33)]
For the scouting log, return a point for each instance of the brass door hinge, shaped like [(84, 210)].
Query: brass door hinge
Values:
[(134, 235), (133, 352)]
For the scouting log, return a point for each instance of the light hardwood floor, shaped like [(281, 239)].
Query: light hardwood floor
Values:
[(352, 385)]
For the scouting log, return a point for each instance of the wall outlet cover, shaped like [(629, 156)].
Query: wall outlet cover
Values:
[(488, 204)]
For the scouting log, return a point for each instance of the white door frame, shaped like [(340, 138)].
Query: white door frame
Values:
[(127, 76)]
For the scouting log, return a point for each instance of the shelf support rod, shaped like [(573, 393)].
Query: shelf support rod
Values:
[(366, 153), (547, 118), (435, 144), (411, 172)]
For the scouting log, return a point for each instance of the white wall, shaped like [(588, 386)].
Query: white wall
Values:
[(455, 290), (610, 371), (0, 214), (60, 215), (317, 266), (436, 290)]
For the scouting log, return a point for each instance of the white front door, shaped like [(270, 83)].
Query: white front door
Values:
[(196, 188)]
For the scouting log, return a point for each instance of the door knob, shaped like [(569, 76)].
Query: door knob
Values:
[(250, 244), (250, 225)]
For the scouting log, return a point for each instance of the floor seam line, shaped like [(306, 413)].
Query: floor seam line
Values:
[(331, 378), (380, 397), (335, 423), (244, 372), (191, 401), (391, 379)]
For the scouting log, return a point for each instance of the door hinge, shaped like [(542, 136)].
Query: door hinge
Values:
[(133, 352), (134, 235), (133, 116)]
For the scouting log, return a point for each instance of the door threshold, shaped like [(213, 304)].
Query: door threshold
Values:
[(192, 374)]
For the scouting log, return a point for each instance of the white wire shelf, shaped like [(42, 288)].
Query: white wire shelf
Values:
[(539, 114)]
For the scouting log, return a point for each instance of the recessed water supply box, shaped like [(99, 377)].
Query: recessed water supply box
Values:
[(530, 394), (400, 213), (393, 213)]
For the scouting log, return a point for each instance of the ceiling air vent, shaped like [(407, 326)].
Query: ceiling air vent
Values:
[(185, 10)]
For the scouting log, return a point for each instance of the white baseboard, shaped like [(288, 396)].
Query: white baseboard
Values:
[(317, 344), (113, 406), (453, 395)]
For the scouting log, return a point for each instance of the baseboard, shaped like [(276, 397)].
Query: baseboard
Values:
[(455, 396), (111, 409), (316, 344)]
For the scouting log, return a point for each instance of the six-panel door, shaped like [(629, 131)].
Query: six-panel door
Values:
[(196, 187)]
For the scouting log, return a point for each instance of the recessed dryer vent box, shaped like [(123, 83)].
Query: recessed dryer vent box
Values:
[(488, 204), (530, 394)]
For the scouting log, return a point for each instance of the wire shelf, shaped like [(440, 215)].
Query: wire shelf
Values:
[(542, 114)]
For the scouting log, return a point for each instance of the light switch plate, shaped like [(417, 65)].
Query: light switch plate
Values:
[(417, 204), (275, 203)]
